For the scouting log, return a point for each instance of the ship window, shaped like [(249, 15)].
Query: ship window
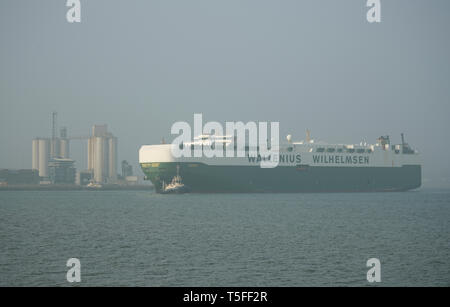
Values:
[(339, 150), (360, 150), (330, 149), (350, 150), (320, 149), (369, 150), (290, 149)]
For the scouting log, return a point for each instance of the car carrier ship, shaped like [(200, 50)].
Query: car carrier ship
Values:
[(304, 166)]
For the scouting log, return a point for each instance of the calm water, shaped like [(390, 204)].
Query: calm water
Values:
[(142, 238)]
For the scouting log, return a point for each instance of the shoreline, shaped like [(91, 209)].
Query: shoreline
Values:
[(74, 188)]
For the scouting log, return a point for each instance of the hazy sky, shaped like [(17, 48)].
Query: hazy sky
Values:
[(139, 66)]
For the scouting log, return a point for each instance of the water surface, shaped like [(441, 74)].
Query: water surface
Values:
[(127, 238)]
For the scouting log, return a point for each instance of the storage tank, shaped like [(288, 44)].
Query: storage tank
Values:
[(44, 156), (35, 154), (112, 167), (105, 159), (99, 159), (91, 153)]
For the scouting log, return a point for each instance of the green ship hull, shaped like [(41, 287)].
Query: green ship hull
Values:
[(203, 178)]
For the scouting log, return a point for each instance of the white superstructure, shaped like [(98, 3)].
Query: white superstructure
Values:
[(381, 154)]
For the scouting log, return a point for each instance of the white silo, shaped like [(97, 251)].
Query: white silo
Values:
[(35, 154), (91, 153), (44, 156), (99, 159), (105, 159), (112, 167)]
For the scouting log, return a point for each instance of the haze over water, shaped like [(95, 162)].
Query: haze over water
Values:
[(139, 66), (142, 238)]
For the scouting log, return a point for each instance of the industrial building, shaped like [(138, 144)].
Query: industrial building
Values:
[(61, 171), (18, 177), (84, 178), (127, 178), (127, 169), (45, 149), (41, 156), (51, 157), (102, 155)]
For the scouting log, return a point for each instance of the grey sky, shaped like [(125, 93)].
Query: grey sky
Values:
[(138, 66)]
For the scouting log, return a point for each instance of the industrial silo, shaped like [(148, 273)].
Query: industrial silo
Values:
[(44, 156), (99, 159), (35, 154), (91, 153), (112, 167)]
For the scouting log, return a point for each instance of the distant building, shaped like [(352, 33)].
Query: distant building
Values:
[(41, 156), (61, 171), (99, 130), (19, 177), (102, 155), (85, 177), (51, 156), (44, 149), (127, 169)]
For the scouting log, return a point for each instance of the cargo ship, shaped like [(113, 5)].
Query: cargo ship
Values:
[(304, 166)]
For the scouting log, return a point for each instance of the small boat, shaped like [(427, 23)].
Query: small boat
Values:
[(93, 185), (176, 186)]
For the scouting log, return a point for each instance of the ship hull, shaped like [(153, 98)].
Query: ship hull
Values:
[(203, 178)]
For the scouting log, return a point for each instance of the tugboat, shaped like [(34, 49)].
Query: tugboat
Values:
[(176, 186)]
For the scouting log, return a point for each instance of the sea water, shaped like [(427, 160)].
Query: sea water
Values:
[(140, 238)]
